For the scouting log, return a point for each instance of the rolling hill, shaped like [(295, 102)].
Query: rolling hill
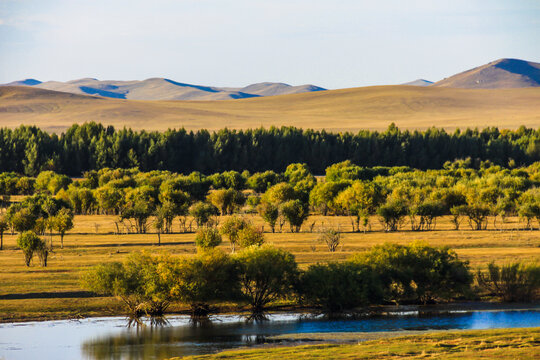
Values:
[(502, 73), (410, 107), (419, 82), (163, 89)]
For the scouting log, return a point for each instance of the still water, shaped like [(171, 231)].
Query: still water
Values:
[(109, 338)]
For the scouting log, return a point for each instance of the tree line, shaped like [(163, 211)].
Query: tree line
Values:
[(166, 202), (261, 275), (91, 146)]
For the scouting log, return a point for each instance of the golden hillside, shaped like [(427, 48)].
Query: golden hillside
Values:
[(374, 108)]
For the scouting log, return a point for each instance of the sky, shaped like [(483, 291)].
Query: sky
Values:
[(330, 43)]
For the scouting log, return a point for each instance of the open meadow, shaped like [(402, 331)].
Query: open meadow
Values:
[(54, 291)]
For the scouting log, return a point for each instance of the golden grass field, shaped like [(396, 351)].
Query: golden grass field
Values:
[(52, 292), (372, 108), (520, 344)]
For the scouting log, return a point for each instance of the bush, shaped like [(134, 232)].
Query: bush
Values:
[(202, 212), (337, 287), (209, 277), (231, 228), (392, 214), (266, 274), (30, 243), (295, 212), (141, 282), (332, 239), (512, 282), (250, 236), (208, 238), (418, 272), (270, 213)]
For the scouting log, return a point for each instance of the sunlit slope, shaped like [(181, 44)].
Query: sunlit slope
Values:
[(410, 107)]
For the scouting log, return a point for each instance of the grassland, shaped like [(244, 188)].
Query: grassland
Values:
[(479, 344), (54, 292), (373, 108)]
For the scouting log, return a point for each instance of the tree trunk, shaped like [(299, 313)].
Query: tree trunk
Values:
[(159, 238), (61, 241)]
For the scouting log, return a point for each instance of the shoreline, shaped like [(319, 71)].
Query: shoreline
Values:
[(374, 311)]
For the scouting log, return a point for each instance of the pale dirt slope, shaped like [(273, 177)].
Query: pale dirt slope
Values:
[(374, 108)]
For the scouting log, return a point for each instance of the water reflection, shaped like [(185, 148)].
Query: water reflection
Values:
[(212, 336), (109, 338)]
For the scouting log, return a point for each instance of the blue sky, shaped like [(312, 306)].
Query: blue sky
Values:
[(331, 43)]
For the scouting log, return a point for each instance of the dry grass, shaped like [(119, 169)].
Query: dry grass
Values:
[(84, 247), (374, 108)]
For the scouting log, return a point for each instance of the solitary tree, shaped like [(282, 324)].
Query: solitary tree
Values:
[(250, 236), (3, 227), (30, 243), (207, 238), (231, 227), (62, 222)]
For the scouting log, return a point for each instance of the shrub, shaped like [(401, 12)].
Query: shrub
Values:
[(270, 213), (231, 228), (209, 277), (332, 239), (141, 282), (208, 238), (250, 236), (418, 272), (512, 282), (30, 243), (202, 212), (337, 287), (295, 212), (266, 274), (392, 214)]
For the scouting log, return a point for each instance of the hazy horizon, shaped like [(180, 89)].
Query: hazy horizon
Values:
[(224, 43)]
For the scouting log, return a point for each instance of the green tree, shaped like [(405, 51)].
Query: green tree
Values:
[(227, 201), (62, 222), (295, 212), (202, 212), (337, 287), (30, 243), (266, 274), (359, 201), (3, 227), (207, 238), (392, 214), (250, 236), (209, 277), (141, 282), (270, 213), (323, 196), (512, 282), (231, 228), (418, 272)]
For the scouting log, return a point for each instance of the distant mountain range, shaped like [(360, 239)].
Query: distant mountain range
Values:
[(498, 74), (164, 89), (502, 73)]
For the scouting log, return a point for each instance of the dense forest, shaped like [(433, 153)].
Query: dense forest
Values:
[(29, 150)]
